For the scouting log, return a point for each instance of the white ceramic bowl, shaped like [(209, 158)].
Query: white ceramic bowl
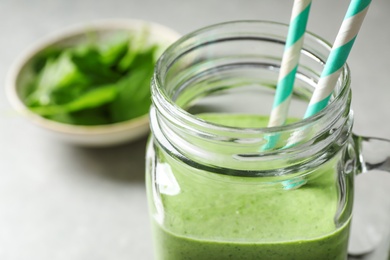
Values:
[(101, 135)]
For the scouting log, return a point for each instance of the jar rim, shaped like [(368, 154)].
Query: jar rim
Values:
[(181, 113)]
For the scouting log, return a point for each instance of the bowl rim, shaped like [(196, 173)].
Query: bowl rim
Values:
[(55, 38)]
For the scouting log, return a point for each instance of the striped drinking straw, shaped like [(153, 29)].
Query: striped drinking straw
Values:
[(338, 56), (288, 68)]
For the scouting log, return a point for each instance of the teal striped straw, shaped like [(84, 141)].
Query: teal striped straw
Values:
[(338, 55), (289, 65), (288, 68)]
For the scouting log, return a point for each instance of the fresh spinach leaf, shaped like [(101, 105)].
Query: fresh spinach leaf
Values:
[(134, 92), (56, 74), (91, 99)]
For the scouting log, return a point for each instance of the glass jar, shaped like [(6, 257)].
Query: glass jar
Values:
[(215, 189)]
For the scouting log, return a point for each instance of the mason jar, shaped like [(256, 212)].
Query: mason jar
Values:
[(216, 189)]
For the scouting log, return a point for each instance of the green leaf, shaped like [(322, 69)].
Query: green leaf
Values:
[(95, 116), (136, 46), (45, 55), (91, 99), (134, 93), (56, 74), (89, 62), (112, 51)]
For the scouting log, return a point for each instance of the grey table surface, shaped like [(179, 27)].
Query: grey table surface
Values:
[(58, 201)]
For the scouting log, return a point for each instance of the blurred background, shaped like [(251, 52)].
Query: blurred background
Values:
[(59, 201)]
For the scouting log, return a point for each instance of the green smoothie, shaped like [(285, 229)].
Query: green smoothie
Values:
[(202, 215)]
